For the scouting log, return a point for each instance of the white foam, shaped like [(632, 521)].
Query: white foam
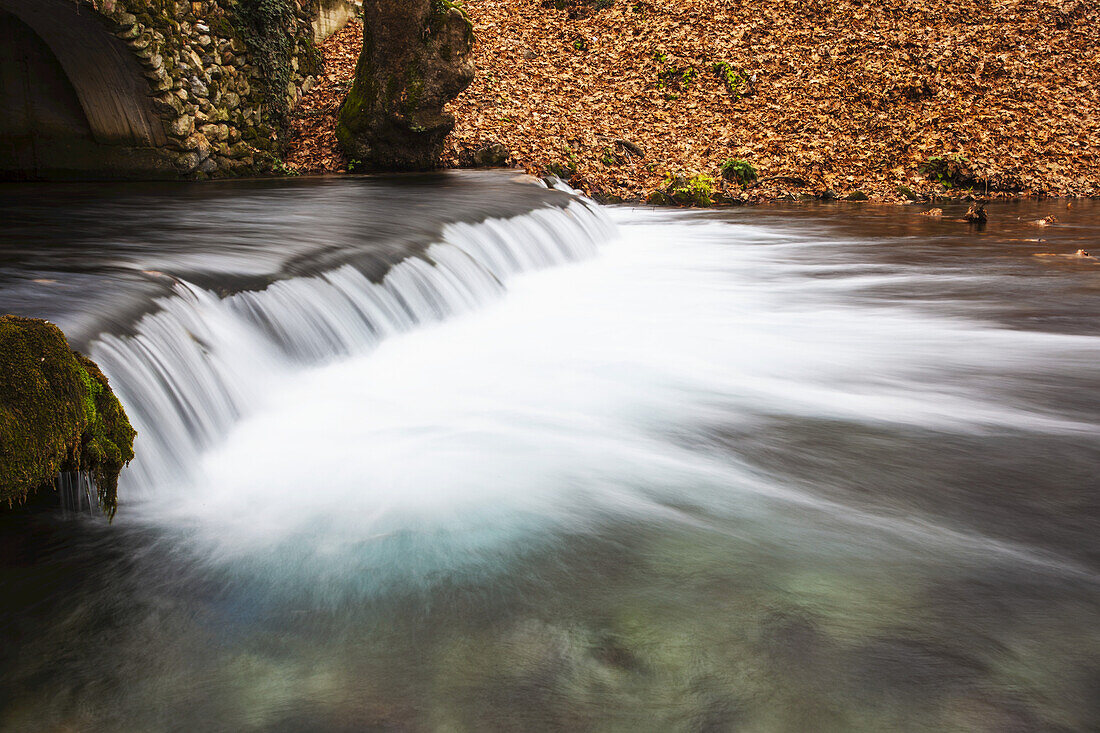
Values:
[(579, 398)]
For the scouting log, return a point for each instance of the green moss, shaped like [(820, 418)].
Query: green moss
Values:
[(436, 18), (697, 190), (57, 413), (439, 11), (268, 27), (311, 60), (659, 198), (360, 99), (220, 25)]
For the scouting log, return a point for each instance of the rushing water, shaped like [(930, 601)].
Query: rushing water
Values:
[(464, 454)]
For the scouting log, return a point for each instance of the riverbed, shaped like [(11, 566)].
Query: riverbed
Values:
[(461, 453)]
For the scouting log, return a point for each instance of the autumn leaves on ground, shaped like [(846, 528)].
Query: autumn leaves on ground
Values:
[(881, 98)]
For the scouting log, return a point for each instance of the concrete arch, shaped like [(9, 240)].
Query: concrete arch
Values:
[(121, 131)]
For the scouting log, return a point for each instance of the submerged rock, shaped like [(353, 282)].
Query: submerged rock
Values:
[(975, 214), (415, 59), (57, 413)]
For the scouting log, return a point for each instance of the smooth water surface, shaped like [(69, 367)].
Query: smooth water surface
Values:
[(514, 462)]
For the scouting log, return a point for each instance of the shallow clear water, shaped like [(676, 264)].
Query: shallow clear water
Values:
[(772, 469)]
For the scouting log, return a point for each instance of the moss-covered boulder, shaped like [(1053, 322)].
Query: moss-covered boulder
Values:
[(415, 59), (57, 413)]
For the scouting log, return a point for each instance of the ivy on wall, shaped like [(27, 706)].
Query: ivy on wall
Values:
[(268, 28)]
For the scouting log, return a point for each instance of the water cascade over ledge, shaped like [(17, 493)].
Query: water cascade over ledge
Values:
[(202, 361)]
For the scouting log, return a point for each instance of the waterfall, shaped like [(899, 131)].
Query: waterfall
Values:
[(200, 362), (77, 493)]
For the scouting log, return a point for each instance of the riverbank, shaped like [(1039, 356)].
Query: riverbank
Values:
[(817, 97), (835, 100)]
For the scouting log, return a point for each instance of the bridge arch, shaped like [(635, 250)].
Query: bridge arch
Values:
[(74, 100)]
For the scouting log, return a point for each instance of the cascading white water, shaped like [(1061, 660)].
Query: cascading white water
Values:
[(201, 362), (77, 493), (592, 395)]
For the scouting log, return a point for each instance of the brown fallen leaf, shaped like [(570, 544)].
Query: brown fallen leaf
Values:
[(928, 86)]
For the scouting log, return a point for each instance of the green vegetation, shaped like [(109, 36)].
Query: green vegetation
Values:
[(697, 190), (670, 75), (952, 171), (267, 27), (441, 7), (280, 166), (57, 413), (735, 80), (563, 169), (738, 171)]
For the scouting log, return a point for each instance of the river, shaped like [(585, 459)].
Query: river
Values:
[(461, 453)]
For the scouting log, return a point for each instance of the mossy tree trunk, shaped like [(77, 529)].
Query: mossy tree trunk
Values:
[(415, 59)]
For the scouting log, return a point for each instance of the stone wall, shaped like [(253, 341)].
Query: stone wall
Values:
[(221, 79)]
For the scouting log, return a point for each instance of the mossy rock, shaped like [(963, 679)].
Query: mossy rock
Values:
[(910, 194), (57, 413)]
